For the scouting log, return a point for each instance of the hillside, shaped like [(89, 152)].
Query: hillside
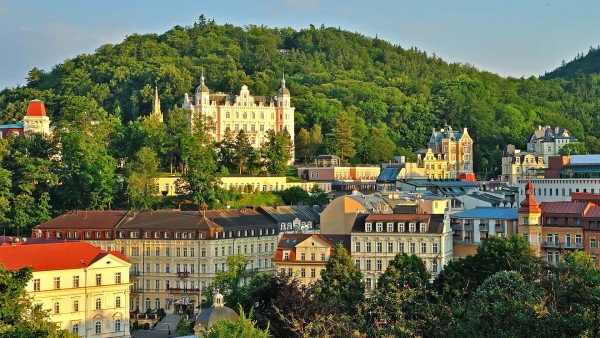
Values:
[(402, 93), (579, 66)]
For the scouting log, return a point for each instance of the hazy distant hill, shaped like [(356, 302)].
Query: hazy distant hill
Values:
[(327, 70), (580, 65)]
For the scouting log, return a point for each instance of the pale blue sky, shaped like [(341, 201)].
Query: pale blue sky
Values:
[(508, 37)]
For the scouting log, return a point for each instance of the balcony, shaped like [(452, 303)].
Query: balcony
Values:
[(457, 227), (135, 273), (137, 290), (182, 291), (183, 274), (499, 228), (468, 226), (562, 245), (483, 227)]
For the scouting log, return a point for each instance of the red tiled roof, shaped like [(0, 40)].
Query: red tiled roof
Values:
[(36, 108), (399, 217), (576, 208), (594, 211), (84, 219), (53, 256)]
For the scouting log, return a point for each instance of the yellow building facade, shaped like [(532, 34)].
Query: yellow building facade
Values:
[(85, 289), (520, 165), (304, 256), (449, 155), (256, 115)]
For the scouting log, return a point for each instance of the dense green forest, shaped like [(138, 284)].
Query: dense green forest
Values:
[(385, 89), (582, 64), (374, 98)]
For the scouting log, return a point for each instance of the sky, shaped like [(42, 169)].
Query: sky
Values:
[(508, 37)]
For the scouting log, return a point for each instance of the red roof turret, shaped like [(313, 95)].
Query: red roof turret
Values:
[(36, 108), (529, 204)]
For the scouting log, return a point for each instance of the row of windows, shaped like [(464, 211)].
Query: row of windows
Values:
[(379, 265), (301, 273), (189, 268), (190, 235), (191, 252), (236, 115), (313, 256), (412, 227), (98, 327), (75, 281), (98, 305), (390, 247)]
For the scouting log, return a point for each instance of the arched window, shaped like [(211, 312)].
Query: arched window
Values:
[(56, 308), (244, 115), (262, 116), (98, 327), (157, 303), (118, 325), (75, 328), (118, 301), (253, 115), (75, 306), (227, 115), (98, 303), (237, 115), (147, 303)]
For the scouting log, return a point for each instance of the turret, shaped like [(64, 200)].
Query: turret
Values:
[(202, 92), (36, 119), (530, 218)]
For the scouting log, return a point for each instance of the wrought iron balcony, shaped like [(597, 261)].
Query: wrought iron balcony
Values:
[(137, 290), (457, 227), (134, 273), (499, 227), (562, 245), (183, 274), (182, 290), (483, 227)]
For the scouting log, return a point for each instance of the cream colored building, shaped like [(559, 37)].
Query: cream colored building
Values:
[(173, 254), (85, 289), (304, 256), (256, 115), (378, 238), (340, 214), (169, 185), (521, 165)]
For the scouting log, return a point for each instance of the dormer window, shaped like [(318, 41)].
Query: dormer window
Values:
[(423, 228), (401, 227), (379, 227), (390, 227), (177, 235), (131, 235), (286, 256), (412, 227), (368, 227)]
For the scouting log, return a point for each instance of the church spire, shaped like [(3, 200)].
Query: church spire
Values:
[(156, 108)]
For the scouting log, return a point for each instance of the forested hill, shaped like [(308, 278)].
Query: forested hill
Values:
[(389, 91), (580, 65)]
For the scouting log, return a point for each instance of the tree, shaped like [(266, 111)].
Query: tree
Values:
[(343, 134), (243, 152), (341, 282), (379, 147), (461, 278), (141, 183), (227, 282), (303, 145), (294, 195), (318, 196), (277, 152), (573, 148), (401, 304), (506, 305), (243, 327), (227, 151), (316, 140)]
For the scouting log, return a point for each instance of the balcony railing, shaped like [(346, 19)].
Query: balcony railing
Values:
[(457, 227), (137, 290), (499, 227), (469, 226), (562, 245), (135, 273), (483, 227), (183, 274), (182, 290)]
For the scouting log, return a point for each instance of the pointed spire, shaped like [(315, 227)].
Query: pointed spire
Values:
[(283, 79), (156, 108), (202, 78)]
